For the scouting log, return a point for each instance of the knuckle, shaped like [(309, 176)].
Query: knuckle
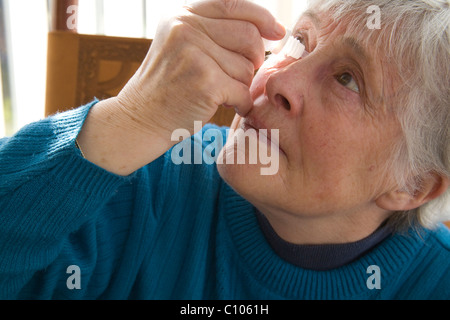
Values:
[(187, 18), (209, 78), (186, 27), (178, 32), (210, 88)]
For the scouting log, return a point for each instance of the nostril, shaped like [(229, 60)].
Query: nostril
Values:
[(283, 102)]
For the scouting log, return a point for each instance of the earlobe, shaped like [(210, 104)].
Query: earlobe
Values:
[(397, 200)]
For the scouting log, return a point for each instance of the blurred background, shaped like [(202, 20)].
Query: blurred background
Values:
[(24, 25)]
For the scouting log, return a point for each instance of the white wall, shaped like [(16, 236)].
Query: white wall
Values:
[(125, 17), (28, 26), (2, 118)]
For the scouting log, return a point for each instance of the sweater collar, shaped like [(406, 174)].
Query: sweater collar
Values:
[(262, 263), (320, 257)]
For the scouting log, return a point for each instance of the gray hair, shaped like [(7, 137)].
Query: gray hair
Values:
[(415, 37)]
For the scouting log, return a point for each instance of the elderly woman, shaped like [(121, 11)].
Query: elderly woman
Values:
[(93, 205)]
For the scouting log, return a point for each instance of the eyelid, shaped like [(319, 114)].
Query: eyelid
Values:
[(359, 79), (303, 34)]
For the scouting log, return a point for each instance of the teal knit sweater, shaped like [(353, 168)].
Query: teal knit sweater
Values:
[(70, 230)]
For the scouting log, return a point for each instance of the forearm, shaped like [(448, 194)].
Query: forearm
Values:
[(47, 192)]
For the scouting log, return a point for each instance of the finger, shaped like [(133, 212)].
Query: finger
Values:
[(198, 31), (245, 10), (234, 65), (224, 89), (213, 87), (238, 36), (237, 95)]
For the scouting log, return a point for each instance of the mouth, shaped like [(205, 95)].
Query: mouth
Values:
[(258, 126)]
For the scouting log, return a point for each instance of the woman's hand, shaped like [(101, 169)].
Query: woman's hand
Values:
[(201, 58), (204, 57)]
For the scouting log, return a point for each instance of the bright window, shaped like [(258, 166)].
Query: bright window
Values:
[(2, 117), (26, 26)]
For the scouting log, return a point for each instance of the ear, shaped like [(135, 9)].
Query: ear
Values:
[(397, 200)]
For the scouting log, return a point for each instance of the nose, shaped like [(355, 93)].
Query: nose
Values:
[(283, 92), (286, 88), (282, 102)]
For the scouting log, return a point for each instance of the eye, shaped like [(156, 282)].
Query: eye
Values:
[(301, 39), (347, 80)]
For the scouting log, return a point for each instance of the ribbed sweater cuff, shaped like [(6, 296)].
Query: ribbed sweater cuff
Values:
[(81, 174)]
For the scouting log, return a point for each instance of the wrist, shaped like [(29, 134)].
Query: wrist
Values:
[(119, 141)]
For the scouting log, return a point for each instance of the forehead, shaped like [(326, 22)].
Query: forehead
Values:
[(349, 37), (352, 29)]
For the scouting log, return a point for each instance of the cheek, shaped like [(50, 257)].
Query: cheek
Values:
[(347, 157), (323, 153), (333, 131), (332, 149)]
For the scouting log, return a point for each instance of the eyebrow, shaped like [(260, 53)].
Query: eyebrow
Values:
[(313, 17), (350, 42), (353, 44)]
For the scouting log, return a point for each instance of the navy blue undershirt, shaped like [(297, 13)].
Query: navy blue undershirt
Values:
[(321, 257)]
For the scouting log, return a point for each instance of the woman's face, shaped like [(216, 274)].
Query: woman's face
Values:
[(335, 132)]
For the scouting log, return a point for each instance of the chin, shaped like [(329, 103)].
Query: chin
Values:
[(246, 179), (234, 173)]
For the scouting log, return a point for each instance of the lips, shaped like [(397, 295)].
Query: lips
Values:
[(257, 125)]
